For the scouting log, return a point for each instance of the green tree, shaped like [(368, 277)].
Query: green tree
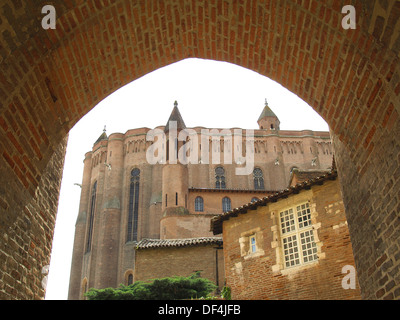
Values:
[(172, 288)]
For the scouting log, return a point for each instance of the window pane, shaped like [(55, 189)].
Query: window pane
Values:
[(291, 251), (91, 217), (219, 171), (258, 179), (133, 208), (226, 204), (199, 204), (304, 215), (308, 246), (253, 246), (287, 221), (220, 178)]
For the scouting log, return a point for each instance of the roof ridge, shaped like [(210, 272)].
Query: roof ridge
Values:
[(267, 112), (216, 222), (164, 243)]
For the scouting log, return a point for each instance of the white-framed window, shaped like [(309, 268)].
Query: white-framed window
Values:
[(253, 244), (297, 236)]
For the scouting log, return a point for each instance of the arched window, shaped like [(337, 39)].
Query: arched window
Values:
[(220, 178), (91, 218), (133, 210), (258, 179), (199, 204), (226, 204), (130, 279)]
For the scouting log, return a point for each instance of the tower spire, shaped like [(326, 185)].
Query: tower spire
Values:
[(175, 116), (268, 119), (103, 136)]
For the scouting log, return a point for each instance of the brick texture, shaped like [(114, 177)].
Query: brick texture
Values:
[(263, 276), (50, 79), (180, 261)]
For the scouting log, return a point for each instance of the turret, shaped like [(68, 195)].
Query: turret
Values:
[(174, 173), (268, 120), (80, 232), (109, 214)]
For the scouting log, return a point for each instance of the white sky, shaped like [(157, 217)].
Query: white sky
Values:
[(209, 93)]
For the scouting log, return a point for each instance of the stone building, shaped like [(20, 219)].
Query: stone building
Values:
[(297, 239), (167, 183)]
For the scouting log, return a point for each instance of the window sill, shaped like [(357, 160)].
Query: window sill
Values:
[(294, 269), (256, 254)]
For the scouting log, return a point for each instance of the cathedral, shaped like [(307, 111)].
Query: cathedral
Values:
[(148, 195)]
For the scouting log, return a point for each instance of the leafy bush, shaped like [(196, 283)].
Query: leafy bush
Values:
[(158, 289), (226, 293)]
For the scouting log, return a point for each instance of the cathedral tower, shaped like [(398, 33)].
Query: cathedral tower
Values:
[(175, 175), (268, 120)]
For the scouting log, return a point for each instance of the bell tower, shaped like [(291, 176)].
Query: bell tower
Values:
[(268, 120), (174, 173)]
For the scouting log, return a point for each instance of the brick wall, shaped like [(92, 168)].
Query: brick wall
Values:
[(262, 275), (185, 226), (27, 233), (181, 261)]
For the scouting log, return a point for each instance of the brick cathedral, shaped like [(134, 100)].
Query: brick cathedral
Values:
[(139, 220)]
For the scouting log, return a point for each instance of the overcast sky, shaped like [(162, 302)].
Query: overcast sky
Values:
[(209, 94)]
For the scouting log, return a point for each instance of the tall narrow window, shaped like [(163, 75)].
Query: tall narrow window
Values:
[(91, 218), (253, 245), (226, 204), (133, 210), (167, 150), (176, 198), (220, 178), (258, 179), (297, 236), (199, 204), (130, 279)]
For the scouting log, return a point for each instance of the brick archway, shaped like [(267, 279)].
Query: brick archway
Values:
[(50, 79)]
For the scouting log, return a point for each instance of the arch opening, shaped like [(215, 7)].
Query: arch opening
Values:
[(51, 79)]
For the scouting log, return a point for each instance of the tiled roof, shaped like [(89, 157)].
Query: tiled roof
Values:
[(103, 136), (304, 175), (216, 222), (173, 243), (194, 189), (175, 116), (267, 112)]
